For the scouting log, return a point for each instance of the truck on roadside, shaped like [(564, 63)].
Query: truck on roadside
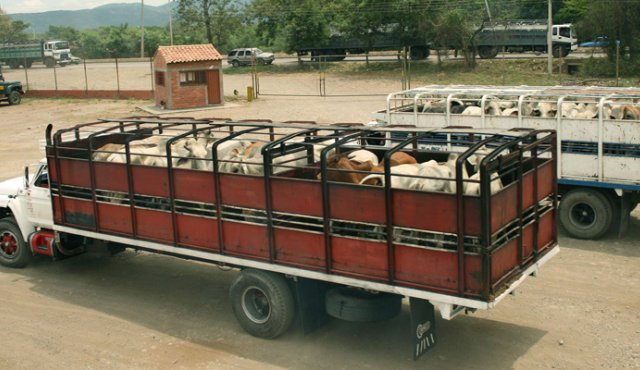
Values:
[(523, 36), (49, 53), (306, 243), (597, 139), (10, 91)]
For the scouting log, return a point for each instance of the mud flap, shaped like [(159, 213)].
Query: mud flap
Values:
[(310, 300), (423, 326)]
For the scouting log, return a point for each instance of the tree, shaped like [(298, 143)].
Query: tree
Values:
[(12, 32), (216, 19)]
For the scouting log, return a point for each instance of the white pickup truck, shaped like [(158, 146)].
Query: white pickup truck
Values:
[(597, 128)]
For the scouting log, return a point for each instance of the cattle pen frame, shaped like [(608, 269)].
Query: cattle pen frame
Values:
[(459, 252)]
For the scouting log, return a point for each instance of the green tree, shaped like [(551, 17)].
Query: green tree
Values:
[(217, 19), (12, 32)]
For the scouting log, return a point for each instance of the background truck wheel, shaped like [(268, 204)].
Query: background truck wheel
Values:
[(419, 52), (235, 63), (14, 64), (357, 305), (15, 98), (14, 251), (487, 52), (49, 62), (262, 303), (586, 213), (559, 52)]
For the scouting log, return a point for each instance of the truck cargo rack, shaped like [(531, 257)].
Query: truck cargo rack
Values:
[(280, 212)]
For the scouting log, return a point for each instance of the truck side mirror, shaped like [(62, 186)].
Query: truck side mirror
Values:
[(26, 177)]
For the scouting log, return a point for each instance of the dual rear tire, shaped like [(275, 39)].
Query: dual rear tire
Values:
[(587, 213)]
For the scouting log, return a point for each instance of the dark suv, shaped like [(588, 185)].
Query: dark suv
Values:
[(10, 91), (247, 56)]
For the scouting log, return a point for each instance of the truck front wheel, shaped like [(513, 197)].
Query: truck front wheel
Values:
[(586, 213), (262, 303), (15, 97), (49, 62), (14, 251), (487, 52)]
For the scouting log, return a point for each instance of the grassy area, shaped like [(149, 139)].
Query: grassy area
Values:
[(487, 72)]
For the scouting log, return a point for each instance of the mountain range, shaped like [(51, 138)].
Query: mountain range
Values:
[(105, 15)]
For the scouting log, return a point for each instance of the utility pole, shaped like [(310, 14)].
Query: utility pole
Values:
[(549, 42), (142, 30), (170, 21)]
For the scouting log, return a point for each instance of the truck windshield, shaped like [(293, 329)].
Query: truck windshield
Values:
[(61, 45), (565, 31)]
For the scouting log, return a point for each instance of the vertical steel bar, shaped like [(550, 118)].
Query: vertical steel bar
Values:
[(118, 78), (86, 79)]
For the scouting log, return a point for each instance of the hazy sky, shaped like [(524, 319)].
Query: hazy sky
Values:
[(37, 6)]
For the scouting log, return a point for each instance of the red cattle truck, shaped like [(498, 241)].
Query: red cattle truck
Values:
[(305, 245)]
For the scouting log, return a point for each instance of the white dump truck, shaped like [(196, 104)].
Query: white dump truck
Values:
[(597, 128)]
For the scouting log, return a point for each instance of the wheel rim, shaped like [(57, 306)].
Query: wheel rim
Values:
[(583, 215), (14, 98), (255, 305), (8, 245)]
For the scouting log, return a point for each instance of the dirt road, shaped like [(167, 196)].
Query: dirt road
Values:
[(141, 311)]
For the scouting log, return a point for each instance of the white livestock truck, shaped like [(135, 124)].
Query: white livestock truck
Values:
[(597, 131)]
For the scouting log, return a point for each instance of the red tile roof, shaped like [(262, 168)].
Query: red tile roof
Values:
[(188, 53)]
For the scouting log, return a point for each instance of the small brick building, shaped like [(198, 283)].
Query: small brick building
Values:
[(188, 76)]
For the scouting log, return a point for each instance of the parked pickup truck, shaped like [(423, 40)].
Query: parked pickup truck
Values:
[(266, 198), (10, 91)]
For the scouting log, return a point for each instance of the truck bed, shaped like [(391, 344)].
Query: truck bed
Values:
[(448, 247)]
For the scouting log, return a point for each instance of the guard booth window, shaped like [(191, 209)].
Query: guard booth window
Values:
[(159, 78), (192, 78)]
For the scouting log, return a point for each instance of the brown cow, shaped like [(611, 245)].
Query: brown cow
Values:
[(342, 163)]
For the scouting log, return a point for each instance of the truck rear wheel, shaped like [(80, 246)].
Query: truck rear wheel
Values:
[(14, 64), (586, 213), (357, 305), (487, 52), (262, 303), (15, 98), (419, 52), (14, 251)]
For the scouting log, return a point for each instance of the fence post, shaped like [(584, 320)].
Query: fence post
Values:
[(153, 87), (118, 78), (26, 75), (86, 80), (55, 77)]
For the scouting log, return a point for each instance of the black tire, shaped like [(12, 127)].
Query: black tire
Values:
[(586, 213), (262, 303), (15, 98), (357, 305), (14, 64), (261, 61), (487, 52), (29, 63), (235, 63), (419, 52), (49, 62), (14, 251)]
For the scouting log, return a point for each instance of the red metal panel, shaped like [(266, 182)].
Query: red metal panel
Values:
[(75, 172), (150, 180), (242, 190), (245, 239), (427, 267), (53, 171), (504, 260), (545, 180), (527, 190), (503, 207), (154, 225), (57, 214), (296, 196), (359, 257), (473, 274), (199, 232), (527, 240), (434, 211), (546, 227), (300, 248), (111, 176), (194, 185), (79, 213), (357, 203), (114, 218), (426, 211)]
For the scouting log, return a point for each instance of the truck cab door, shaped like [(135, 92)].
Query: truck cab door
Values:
[(37, 199)]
